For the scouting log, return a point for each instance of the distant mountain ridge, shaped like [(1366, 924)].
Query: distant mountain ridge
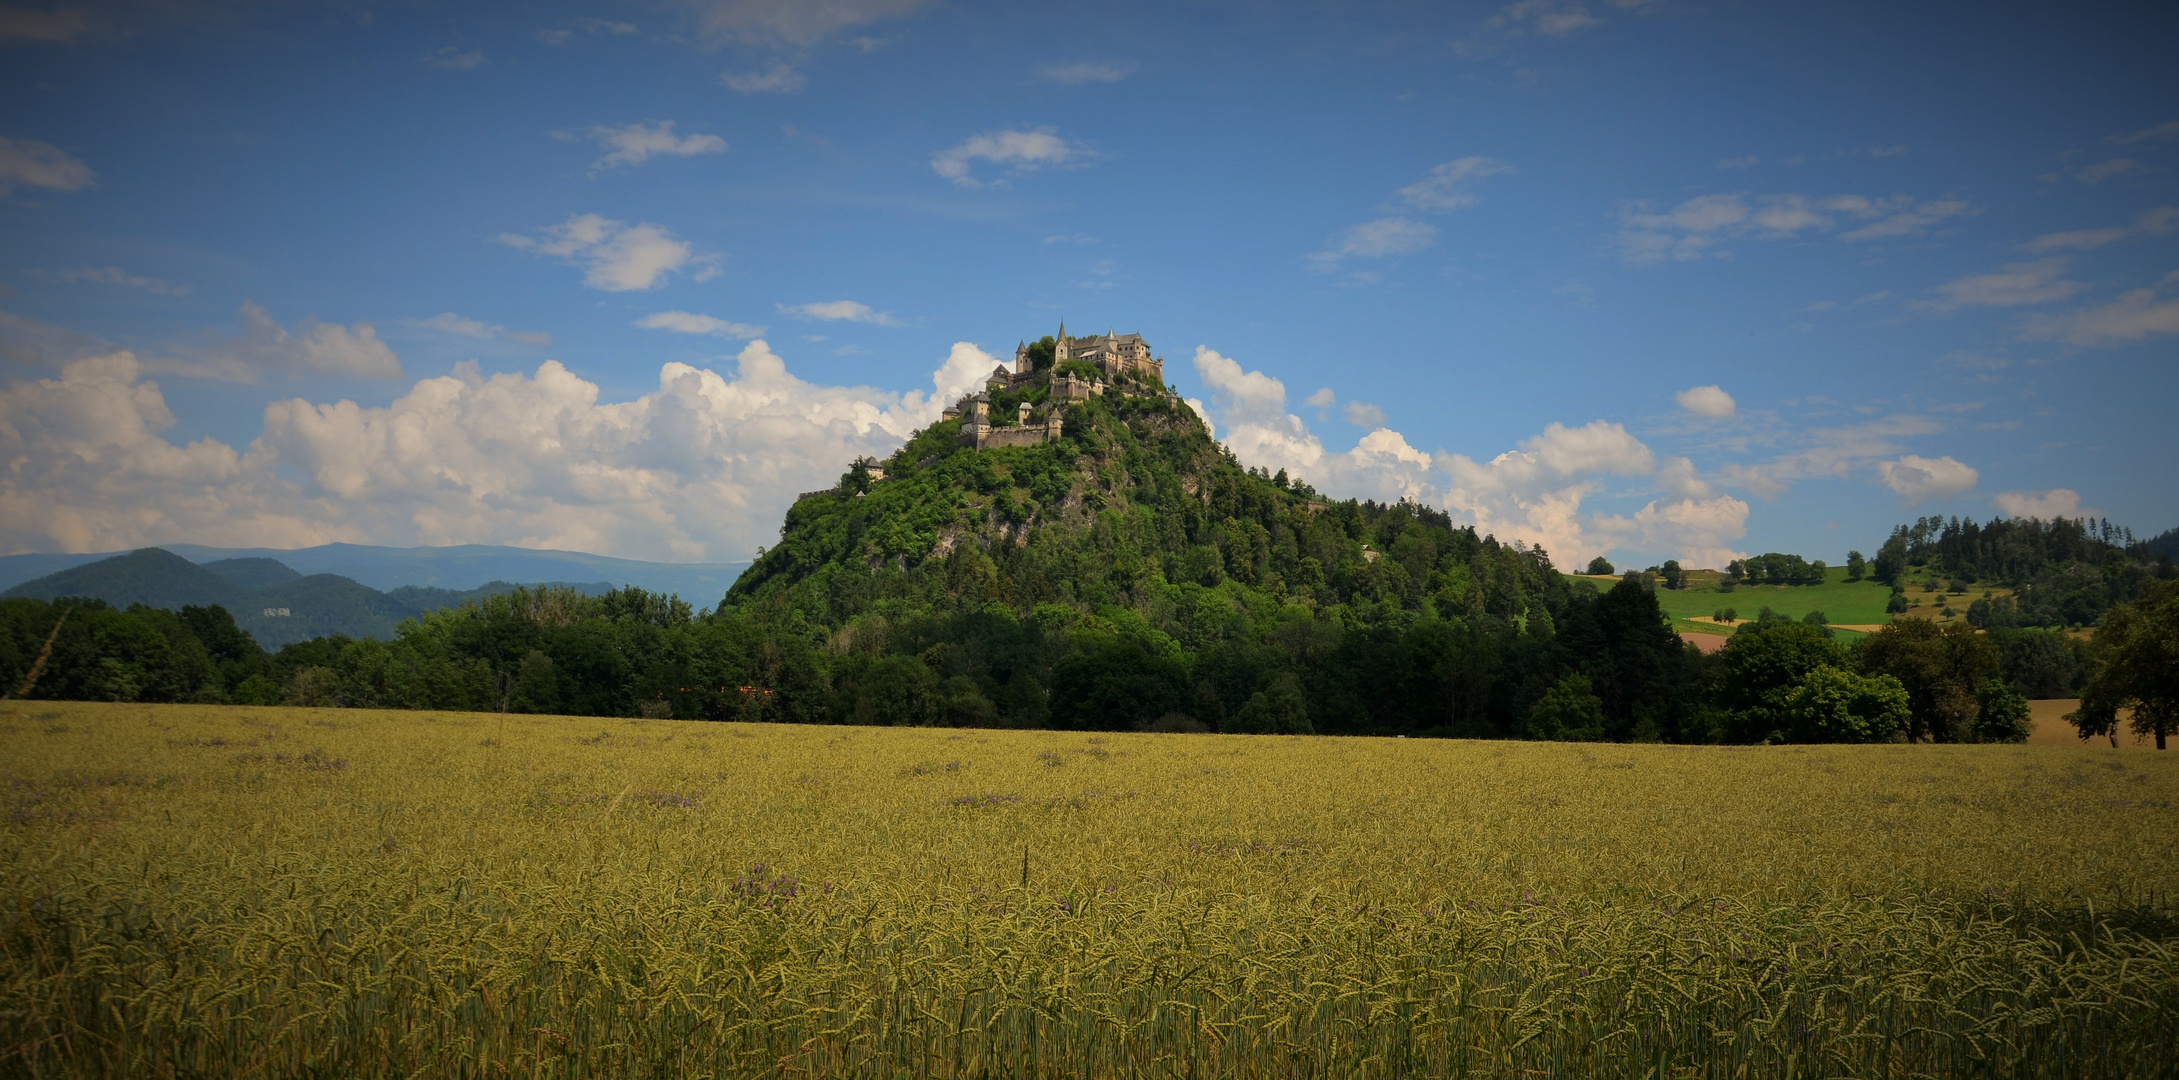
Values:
[(458, 567), (272, 601)]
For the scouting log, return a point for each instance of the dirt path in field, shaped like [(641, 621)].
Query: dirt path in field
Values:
[(2049, 728)]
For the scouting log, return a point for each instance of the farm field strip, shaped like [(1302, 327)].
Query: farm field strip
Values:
[(213, 889)]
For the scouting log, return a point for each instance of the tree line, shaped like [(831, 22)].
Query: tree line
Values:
[(1584, 664)]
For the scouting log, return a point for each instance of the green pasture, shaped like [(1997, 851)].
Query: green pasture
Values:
[(1842, 602)]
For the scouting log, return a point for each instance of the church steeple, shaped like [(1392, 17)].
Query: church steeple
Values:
[(1059, 347)]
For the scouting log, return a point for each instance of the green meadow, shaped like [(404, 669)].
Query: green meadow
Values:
[(1843, 602)]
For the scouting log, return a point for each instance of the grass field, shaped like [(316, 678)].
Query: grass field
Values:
[(1844, 603), (222, 891)]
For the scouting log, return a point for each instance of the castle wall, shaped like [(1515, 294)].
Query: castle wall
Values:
[(984, 436)]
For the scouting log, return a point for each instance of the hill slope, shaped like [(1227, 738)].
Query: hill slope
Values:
[(276, 605), (1133, 573), (458, 567)]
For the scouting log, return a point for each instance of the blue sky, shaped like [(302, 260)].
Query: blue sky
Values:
[(1654, 279)]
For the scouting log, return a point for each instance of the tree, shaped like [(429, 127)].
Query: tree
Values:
[(1278, 709), (1832, 705), (1673, 576), (1600, 566), (1943, 669), (1569, 712), (1762, 663), (2136, 666), (2004, 716), (1113, 682), (1856, 566), (1891, 560)]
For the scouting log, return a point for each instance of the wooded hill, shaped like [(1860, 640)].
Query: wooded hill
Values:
[(2064, 572), (273, 603)]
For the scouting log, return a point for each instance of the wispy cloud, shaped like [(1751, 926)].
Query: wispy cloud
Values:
[(2169, 129), (1376, 240), (1020, 151), (839, 311), (1546, 17), (1082, 73), (2097, 172), (2015, 285), (2152, 222), (447, 322), (30, 163), (1447, 186), (453, 58), (688, 322), (1700, 226), (791, 22), (634, 144), (114, 275), (780, 78), (2136, 315)]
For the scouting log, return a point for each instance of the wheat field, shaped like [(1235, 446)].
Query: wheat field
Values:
[(228, 891)]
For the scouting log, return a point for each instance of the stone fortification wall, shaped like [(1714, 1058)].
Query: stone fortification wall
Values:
[(985, 438)]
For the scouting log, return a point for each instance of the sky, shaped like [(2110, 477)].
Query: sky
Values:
[(1642, 278)]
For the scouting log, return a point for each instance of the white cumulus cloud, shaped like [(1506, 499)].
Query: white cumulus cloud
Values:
[(1710, 401), (1918, 479), (702, 468), (616, 256), (2044, 505)]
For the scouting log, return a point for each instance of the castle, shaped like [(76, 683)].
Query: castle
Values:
[(1119, 358)]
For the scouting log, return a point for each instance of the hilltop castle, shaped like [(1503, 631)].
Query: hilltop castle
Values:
[(1120, 359)]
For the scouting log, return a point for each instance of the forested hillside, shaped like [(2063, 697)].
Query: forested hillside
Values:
[(2064, 572)]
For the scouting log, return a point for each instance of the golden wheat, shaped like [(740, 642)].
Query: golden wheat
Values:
[(231, 891)]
